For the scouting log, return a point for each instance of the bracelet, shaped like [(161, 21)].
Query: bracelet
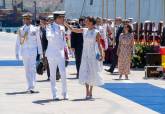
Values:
[(70, 28)]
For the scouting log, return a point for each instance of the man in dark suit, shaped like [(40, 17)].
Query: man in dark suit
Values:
[(118, 31), (44, 41), (163, 38), (77, 44)]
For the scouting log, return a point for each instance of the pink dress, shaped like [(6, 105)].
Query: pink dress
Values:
[(125, 49)]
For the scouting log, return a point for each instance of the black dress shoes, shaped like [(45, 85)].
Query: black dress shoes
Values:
[(32, 92), (108, 70)]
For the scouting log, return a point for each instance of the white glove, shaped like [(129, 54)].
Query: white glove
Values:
[(17, 56)]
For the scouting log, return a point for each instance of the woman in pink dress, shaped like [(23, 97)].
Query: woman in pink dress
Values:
[(125, 49)]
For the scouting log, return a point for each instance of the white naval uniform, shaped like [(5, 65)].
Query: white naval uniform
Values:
[(102, 30), (28, 51), (55, 55)]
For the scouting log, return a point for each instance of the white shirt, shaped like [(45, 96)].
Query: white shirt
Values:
[(56, 39)]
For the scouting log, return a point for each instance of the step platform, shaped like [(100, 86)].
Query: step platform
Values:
[(153, 71)]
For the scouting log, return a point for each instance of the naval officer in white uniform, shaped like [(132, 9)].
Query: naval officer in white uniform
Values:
[(27, 45), (55, 53)]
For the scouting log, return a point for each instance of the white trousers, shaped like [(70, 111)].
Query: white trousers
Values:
[(53, 63), (29, 62)]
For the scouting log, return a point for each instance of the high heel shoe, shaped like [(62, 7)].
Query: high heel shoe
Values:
[(120, 77), (126, 78), (87, 97)]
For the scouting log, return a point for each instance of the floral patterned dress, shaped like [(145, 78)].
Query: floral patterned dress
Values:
[(125, 49)]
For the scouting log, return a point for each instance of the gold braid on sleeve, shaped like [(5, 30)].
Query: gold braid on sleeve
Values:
[(24, 38)]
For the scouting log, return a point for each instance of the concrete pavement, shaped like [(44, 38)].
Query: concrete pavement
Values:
[(13, 100)]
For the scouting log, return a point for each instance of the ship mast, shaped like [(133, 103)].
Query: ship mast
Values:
[(22, 5), (4, 4)]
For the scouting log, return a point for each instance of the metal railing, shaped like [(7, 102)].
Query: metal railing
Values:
[(9, 29)]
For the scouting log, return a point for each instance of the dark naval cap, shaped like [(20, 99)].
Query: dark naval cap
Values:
[(43, 18), (27, 15)]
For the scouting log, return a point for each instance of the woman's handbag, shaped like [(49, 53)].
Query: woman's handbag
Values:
[(97, 52), (98, 56), (42, 64)]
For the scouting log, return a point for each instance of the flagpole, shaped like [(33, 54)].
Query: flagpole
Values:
[(35, 11), (107, 8), (22, 5), (115, 8), (125, 6), (12, 3), (164, 11), (138, 19), (102, 8)]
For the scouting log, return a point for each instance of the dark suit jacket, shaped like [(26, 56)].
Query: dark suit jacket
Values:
[(76, 39), (44, 40), (118, 32), (163, 38)]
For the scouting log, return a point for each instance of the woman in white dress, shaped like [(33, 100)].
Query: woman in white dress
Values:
[(90, 69)]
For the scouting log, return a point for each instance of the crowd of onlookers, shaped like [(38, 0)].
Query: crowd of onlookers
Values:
[(113, 43), (110, 31)]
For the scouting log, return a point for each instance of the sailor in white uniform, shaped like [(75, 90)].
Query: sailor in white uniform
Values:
[(55, 53), (27, 45)]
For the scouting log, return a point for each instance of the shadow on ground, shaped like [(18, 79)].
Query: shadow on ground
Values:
[(44, 101), (21, 93), (42, 80), (72, 78), (83, 99)]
